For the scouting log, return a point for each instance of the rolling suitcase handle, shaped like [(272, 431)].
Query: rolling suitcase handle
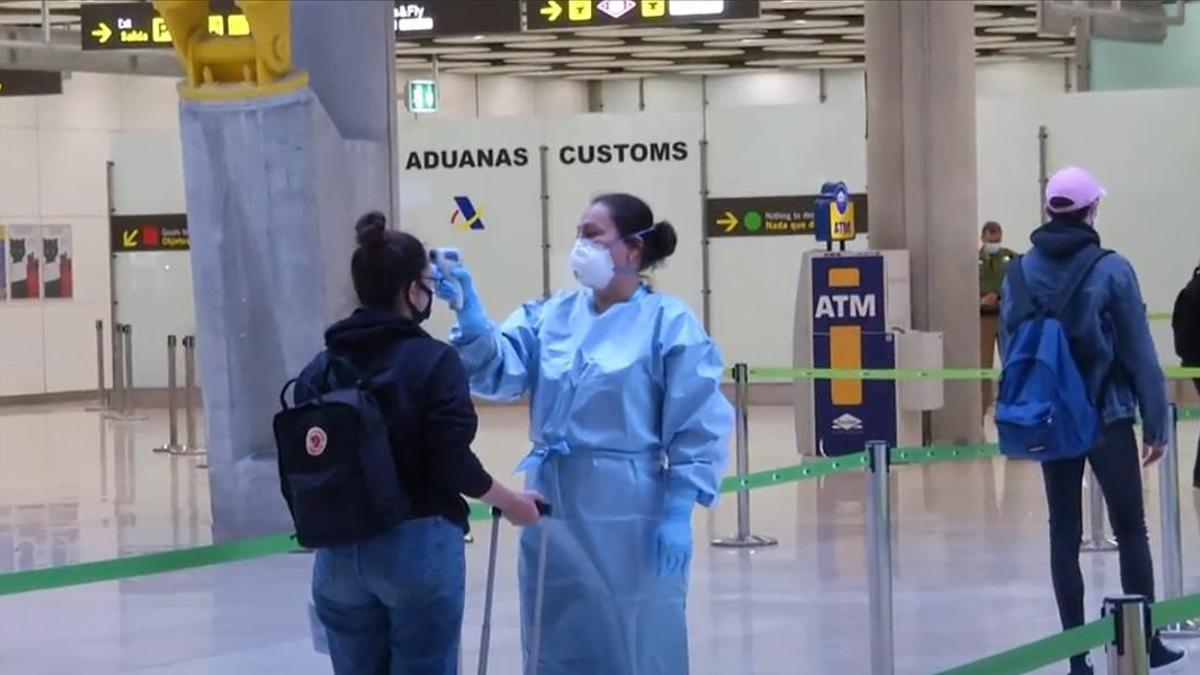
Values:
[(485, 638)]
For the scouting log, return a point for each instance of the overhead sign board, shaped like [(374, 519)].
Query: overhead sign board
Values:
[(571, 14), (149, 233), (136, 25), (441, 18), (770, 216), (30, 83)]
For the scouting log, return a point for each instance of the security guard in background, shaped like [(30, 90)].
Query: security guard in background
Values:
[(993, 264)]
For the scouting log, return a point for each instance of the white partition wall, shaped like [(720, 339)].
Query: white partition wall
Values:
[(153, 290), (773, 151), (1143, 147), (1008, 162), (656, 157), (52, 164), (494, 168)]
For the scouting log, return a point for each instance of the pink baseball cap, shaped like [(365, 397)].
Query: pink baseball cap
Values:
[(1072, 189)]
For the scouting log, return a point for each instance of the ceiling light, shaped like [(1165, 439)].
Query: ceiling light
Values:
[(496, 70), (611, 76)]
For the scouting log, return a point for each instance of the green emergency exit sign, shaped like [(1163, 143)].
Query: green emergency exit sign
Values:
[(422, 96)]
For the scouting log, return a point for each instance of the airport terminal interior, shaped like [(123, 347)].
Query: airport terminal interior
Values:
[(180, 182)]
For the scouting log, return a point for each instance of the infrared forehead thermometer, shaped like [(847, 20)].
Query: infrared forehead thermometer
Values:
[(446, 260)]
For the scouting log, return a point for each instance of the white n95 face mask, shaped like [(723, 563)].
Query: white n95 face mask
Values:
[(592, 264)]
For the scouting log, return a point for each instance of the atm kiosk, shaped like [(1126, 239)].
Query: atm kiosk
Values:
[(853, 311)]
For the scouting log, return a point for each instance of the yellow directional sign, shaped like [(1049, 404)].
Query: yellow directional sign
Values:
[(552, 11), (728, 221), (129, 238), (654, 8), (573, 14), (136, 25), (102, 33), (579, 10)]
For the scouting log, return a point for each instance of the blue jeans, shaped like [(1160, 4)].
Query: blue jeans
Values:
[(394, 604)]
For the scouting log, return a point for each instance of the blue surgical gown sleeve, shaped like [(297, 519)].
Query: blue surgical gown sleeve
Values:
[(697, 417), (502, 363)]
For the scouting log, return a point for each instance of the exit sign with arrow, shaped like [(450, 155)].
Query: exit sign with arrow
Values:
[(573, 14)]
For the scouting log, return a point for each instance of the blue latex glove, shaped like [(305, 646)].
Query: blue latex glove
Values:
[(472, 319), (674, 536)]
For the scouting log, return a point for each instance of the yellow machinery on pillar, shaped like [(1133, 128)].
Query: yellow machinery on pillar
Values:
[(224, 67)]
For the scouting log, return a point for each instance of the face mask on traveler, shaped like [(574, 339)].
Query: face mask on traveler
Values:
[(992, 248), (592, 264), (422, 315)]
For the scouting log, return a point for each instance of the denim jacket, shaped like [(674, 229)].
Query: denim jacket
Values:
[(1105, 322)]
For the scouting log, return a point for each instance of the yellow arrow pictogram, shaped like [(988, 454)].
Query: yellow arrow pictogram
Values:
[(129, 238), (102, 33), (728, 221), (551, 11)]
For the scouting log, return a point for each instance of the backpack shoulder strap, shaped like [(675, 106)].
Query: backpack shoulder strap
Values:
[(1083, 269)]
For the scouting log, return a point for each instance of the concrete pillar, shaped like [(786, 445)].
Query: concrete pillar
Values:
[(274, 186), (921, 176)]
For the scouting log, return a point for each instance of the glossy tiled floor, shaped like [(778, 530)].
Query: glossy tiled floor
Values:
[(971, 574)]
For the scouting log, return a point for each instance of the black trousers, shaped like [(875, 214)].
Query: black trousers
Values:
[(1116, 462)]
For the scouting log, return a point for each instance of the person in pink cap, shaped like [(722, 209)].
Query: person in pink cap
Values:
[(1109, 340)]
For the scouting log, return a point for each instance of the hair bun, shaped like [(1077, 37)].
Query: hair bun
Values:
[(371, 230), (664, 239)]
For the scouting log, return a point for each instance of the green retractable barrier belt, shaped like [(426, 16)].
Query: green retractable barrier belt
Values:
[(765, 373), (1042, 653)]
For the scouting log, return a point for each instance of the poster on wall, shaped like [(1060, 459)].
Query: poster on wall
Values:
[(58, 279), (24, 262), (3, 264)]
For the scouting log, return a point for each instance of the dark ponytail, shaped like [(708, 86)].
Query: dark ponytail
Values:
[(634, 218), (386, 262)]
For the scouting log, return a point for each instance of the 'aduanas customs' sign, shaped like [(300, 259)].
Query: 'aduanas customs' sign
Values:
[(579, 154)]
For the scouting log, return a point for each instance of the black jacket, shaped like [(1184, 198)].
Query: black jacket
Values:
[(1185, 322), (427, 402)]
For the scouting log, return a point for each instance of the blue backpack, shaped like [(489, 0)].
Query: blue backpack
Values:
[(1043, 411), (337, 469)]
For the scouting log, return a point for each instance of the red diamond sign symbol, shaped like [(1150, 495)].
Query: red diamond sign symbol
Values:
[(616, 8)]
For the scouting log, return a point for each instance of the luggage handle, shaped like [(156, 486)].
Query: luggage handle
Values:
[(486, 633), (543, 509)]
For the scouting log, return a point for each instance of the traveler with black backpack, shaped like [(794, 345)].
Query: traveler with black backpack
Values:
[(373, 459), (1185, 322), (1079, 363)]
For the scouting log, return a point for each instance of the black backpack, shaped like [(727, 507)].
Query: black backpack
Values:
[(1185, 322), (337, 470)]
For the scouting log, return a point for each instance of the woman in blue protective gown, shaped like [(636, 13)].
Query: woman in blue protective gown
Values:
[(630, 431)]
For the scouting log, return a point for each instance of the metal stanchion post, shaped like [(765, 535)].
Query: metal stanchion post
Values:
[(191, 446), (102, 392), (879, 558), (125, 411), (741, 402), (1097, 541), (1172, 547), (1127, 654), (127, 332), (118, 369), (172, 445)]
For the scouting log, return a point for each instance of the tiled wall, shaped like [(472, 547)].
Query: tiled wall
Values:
[(53, 155)]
